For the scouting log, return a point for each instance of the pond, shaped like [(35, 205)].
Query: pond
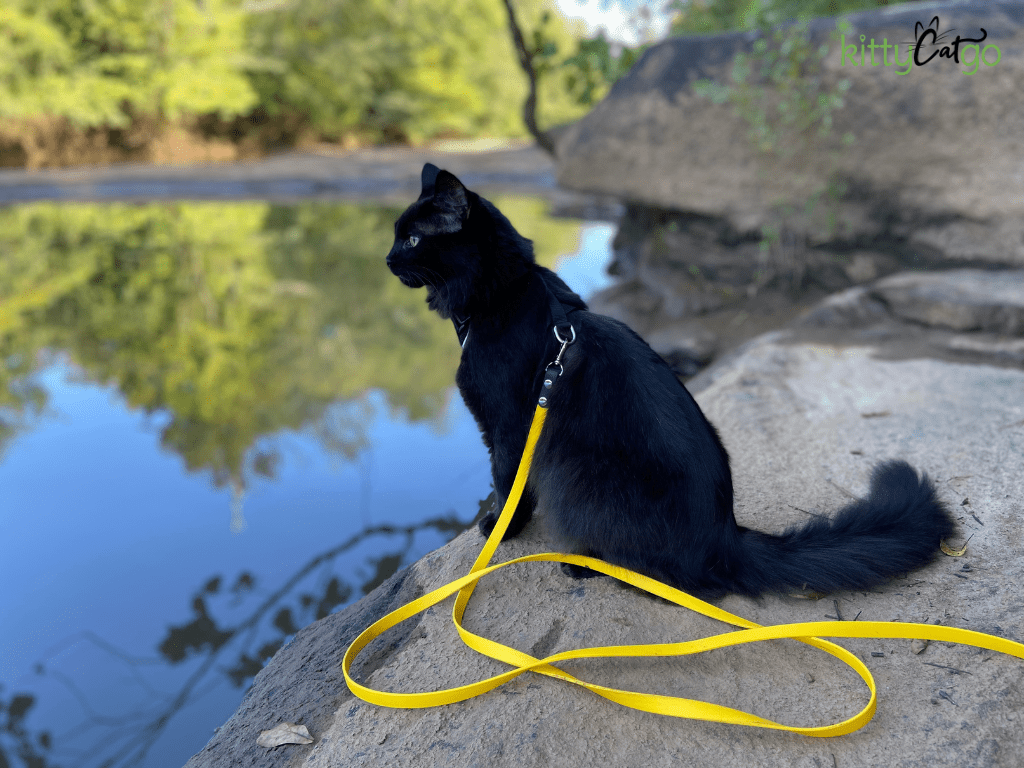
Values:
[(218, 423)]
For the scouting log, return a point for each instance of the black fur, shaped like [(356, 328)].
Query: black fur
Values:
[(627, 469)]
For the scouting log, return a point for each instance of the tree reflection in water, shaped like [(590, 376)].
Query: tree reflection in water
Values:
[(232, 324), (233, 650)]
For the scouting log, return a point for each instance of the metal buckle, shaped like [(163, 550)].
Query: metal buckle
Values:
[(550, 376), (565, 343)]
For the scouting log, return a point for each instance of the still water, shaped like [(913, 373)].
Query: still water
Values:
[(218, 422)]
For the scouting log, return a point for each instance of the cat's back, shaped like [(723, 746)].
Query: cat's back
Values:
[(613, 376), (613, 372), (612, 348)]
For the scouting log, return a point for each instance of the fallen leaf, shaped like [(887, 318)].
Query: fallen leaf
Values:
[(953, 552), (285, 733), (918, 646)]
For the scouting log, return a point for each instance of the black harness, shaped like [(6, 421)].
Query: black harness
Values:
[(559, 315)]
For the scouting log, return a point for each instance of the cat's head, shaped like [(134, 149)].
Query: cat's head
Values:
[(456, 244), (426, 227)]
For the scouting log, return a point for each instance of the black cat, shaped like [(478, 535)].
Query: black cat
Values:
[(627, 468)]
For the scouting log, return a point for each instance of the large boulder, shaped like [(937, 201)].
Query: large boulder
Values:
[(804, 421), (935, 168)]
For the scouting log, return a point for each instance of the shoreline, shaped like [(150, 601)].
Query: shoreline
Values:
[(377, 173)]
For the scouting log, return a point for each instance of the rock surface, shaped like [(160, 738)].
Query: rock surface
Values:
[(803, 421), (717, 232), (963, 314), (962, 300), (936, 162)]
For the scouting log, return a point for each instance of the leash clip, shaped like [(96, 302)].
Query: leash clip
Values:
[(555, 369), (564, 342)]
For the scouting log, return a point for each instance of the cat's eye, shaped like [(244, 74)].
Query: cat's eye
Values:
[(411, 242)]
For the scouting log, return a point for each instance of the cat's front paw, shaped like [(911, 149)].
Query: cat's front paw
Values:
[(578, 571)]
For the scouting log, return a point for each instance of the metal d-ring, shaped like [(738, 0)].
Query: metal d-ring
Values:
[(562, 341)]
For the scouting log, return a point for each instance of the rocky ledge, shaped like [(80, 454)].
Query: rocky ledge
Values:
[(719, 228), (804, 419), (935, 160), (963, 314)]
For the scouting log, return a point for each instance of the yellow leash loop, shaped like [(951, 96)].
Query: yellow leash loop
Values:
[(663, 705)]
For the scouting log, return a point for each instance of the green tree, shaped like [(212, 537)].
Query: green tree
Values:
[(85, 73), (99, 62), (376, 70), (237, 321)]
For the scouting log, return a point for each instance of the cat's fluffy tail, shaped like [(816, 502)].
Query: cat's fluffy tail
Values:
[(896, 529)]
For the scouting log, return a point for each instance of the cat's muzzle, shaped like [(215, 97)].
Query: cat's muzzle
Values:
[(408, 277)]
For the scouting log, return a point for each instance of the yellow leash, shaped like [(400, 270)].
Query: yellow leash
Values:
[(647, 702)]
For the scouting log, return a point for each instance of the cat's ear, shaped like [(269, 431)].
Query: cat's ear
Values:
[(451, 196), (427, 179)]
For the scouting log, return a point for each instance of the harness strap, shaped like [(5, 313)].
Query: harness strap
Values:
[(461, 328), (559, 315)]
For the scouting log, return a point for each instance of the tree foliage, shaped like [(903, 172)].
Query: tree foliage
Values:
[(98, 62), (366, 71), (237, 321)]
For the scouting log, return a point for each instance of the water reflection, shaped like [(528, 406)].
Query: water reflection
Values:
[(171, 374)]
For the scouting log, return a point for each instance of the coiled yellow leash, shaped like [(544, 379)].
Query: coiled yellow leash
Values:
[(663, 705)]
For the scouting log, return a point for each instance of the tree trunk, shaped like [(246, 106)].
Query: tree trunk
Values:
[(543, 139)]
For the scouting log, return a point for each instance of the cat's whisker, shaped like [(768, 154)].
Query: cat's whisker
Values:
[(433, 273)]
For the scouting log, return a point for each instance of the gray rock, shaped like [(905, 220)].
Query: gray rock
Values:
[(936, 162), (687, 346), (990, 347), (681, 293), (969, 315), (304, 684), (863, 267), (803, 423), (629, 302), (963, 299), (852, 308)]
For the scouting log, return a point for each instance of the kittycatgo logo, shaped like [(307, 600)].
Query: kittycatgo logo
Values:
[(972, 54)]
